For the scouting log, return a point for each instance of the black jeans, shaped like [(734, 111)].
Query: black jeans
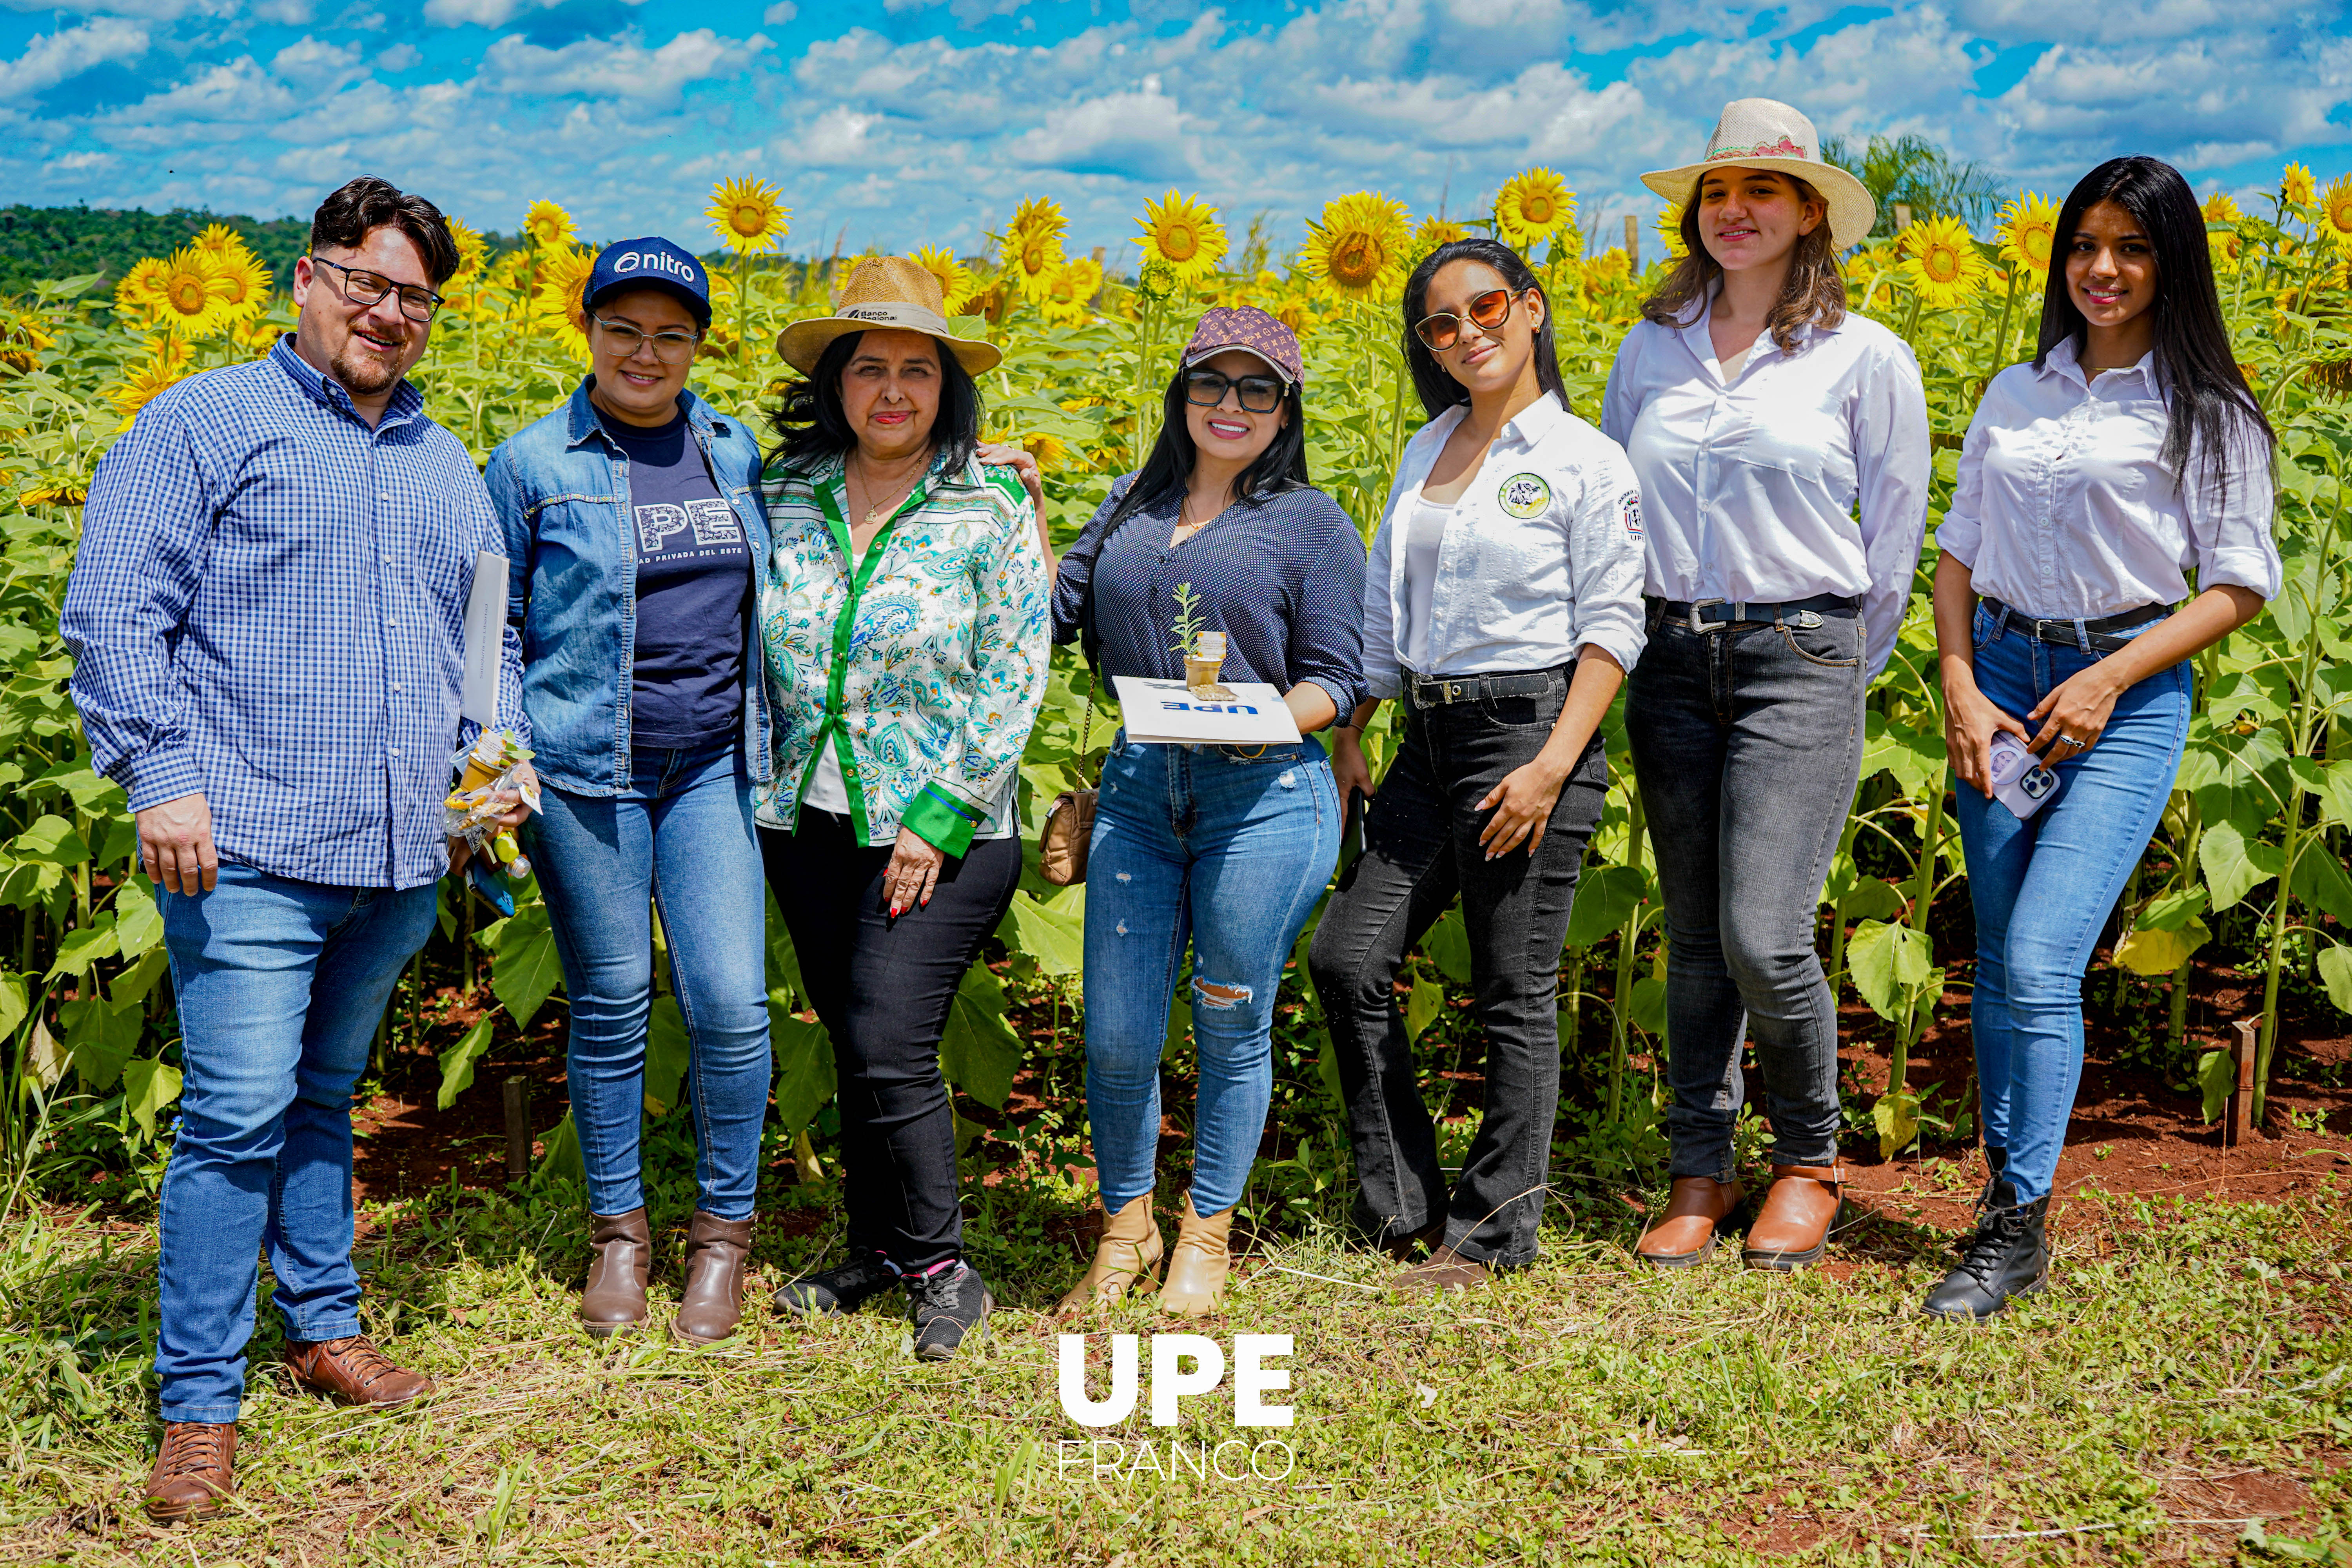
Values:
[(1747, 744), (1420, 849), (882, 988)]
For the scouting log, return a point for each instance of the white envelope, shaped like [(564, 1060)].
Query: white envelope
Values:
[(1163, 713), (486, 630)]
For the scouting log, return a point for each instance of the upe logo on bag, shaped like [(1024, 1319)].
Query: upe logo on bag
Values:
[(1524, 495), (1183, 1366)]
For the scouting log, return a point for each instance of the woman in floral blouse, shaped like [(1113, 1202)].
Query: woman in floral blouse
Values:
[(904, 618)]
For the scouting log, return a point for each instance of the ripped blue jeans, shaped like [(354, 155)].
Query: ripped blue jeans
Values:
[(1227, 853)]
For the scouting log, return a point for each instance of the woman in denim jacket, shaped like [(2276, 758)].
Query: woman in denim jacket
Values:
[(632, 527)]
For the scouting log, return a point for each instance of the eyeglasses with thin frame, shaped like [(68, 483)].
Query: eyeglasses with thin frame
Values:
[(1258, 394), (1442, 330), (365, 288), (671, 347)]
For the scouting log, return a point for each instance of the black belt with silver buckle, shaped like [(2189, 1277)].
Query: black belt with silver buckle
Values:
[(1434, 691), (2083, 637), (1714, 615)]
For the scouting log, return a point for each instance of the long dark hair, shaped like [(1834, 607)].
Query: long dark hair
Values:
[(814, 425), (1439, 390), (2209, 393), (1814, 290), (1167, 473)]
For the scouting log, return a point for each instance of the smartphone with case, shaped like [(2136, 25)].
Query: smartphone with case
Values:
[(2020, 782)]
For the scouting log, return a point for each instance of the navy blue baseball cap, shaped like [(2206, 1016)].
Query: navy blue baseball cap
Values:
[(651, 263)]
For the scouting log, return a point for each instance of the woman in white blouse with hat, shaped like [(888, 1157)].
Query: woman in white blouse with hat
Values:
[(2093, 479), (1782, 448)]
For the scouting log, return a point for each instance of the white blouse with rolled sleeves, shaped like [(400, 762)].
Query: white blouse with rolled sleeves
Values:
[(1540, 556), (2065, 511), (1802, 474)]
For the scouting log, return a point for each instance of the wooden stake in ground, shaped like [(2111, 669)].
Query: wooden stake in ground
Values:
[(518, 1129), (1633, 245), (2238, 1118)]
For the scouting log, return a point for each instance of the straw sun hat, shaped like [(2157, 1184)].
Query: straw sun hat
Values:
[(886, 291), (1759, 133)]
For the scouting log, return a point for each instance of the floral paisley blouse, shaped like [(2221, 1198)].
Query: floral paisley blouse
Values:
[(924, 669)]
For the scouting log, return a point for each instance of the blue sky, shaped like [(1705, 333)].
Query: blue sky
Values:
[(902, 122)]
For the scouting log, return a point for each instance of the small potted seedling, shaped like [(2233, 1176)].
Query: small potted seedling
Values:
[(1203, 650)]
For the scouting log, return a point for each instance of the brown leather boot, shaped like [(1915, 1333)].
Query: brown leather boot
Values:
[(1793, 1228), (1445, 1270), (1408, 1246), (1130, 1249), (711, 1303), (192, 1477), (1198, 1264), (352, 1370), (1683, 1235), (620, 1262)]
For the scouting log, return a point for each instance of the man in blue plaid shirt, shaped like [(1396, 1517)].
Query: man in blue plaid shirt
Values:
[(266, 617)]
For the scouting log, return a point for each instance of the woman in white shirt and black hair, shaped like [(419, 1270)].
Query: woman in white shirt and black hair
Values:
[(2093, 479), (1502, 603), (1782, 448)]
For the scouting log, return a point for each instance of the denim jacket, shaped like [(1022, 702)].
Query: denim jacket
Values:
[(560, 487)]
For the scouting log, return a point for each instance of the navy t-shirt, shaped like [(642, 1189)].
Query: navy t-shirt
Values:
[(694, 592)]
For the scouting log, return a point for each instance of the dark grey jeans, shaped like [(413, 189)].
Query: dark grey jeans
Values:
[(1748, 745), (1420, 849)]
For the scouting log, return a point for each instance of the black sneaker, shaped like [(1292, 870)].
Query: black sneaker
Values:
[(2009, 1256), (843, 1287), (944, 1308)]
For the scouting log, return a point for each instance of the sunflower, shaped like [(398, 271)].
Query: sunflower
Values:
[(22, 340), (2295, 186), (1608, 270), (2335, 211), (244, 286), (956, 281), (1432, 233), (1533, 204), (1032, 246), (1941, 262), (1052, 452), (1294, 306), (562, 297), (472, 251), (1359, 247), (1041, 217), (1670, 233), (2029, 232), (2221, 207), (1185, 234), (141, 292), (549, 226), (145, 381), (194, 294), (1069, 289), (747, 215)]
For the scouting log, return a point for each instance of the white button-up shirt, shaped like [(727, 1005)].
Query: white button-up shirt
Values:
[(1541, 555), (2064, 509), (1751, 486)]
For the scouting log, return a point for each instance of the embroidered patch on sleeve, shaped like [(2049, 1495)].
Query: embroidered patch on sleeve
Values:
[(1629, 512)]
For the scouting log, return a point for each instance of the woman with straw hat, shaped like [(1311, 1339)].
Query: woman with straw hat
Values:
[(1782, 448), (904, 618)]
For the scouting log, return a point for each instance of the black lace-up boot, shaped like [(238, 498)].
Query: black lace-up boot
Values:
[(1996, 1162), (2009, 1256)]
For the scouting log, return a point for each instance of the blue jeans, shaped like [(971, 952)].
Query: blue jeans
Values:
[(1231, 855), (280, 985), (680, 839), (2043, 888)]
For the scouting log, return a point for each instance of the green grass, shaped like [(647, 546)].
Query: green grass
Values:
[(2191, 1363)]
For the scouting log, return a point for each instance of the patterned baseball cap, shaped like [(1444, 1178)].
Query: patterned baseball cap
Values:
[(1252, 331)]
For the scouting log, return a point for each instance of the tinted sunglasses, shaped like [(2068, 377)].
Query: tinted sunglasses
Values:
[(1442, 331), (1259, 393)]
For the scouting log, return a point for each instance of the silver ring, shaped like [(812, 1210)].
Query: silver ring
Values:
[(2071, 740)]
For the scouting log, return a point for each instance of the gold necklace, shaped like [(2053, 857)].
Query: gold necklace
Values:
[(875, 513)]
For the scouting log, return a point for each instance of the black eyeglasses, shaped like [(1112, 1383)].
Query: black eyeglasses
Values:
[(1207, 388), (365, 288), (671, 347), (1443, 330)]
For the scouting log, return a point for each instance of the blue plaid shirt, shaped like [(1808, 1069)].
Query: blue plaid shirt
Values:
[(269, 607)]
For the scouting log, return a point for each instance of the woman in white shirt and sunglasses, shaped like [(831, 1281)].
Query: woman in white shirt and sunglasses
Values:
[(1782, 448)]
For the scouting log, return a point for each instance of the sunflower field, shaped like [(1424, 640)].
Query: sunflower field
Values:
[(2250, 860)]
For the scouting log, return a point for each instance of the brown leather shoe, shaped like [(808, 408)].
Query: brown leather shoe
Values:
[(1445, 1270), (711, 1303), (1683, 1235), (353, 1371), (1792, 1229), (620, 1262), (1408, 1246), (193, 1476)]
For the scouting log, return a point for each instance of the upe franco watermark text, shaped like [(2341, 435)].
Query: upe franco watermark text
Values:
[(1183, 1366)]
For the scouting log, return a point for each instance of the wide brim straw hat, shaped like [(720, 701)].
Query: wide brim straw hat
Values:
[(884, 291), (1763, 133)]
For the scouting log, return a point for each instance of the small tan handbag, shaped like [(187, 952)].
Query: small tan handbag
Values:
[(1069, 821)]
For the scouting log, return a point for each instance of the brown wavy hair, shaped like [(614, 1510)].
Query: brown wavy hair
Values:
[(1814, 292)]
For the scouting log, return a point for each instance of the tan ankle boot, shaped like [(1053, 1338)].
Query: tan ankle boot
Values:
[(1684, 1234), (1128, 1250), (1793, 1228), (620, 1261), (1198, 1265), (710, 1302)]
